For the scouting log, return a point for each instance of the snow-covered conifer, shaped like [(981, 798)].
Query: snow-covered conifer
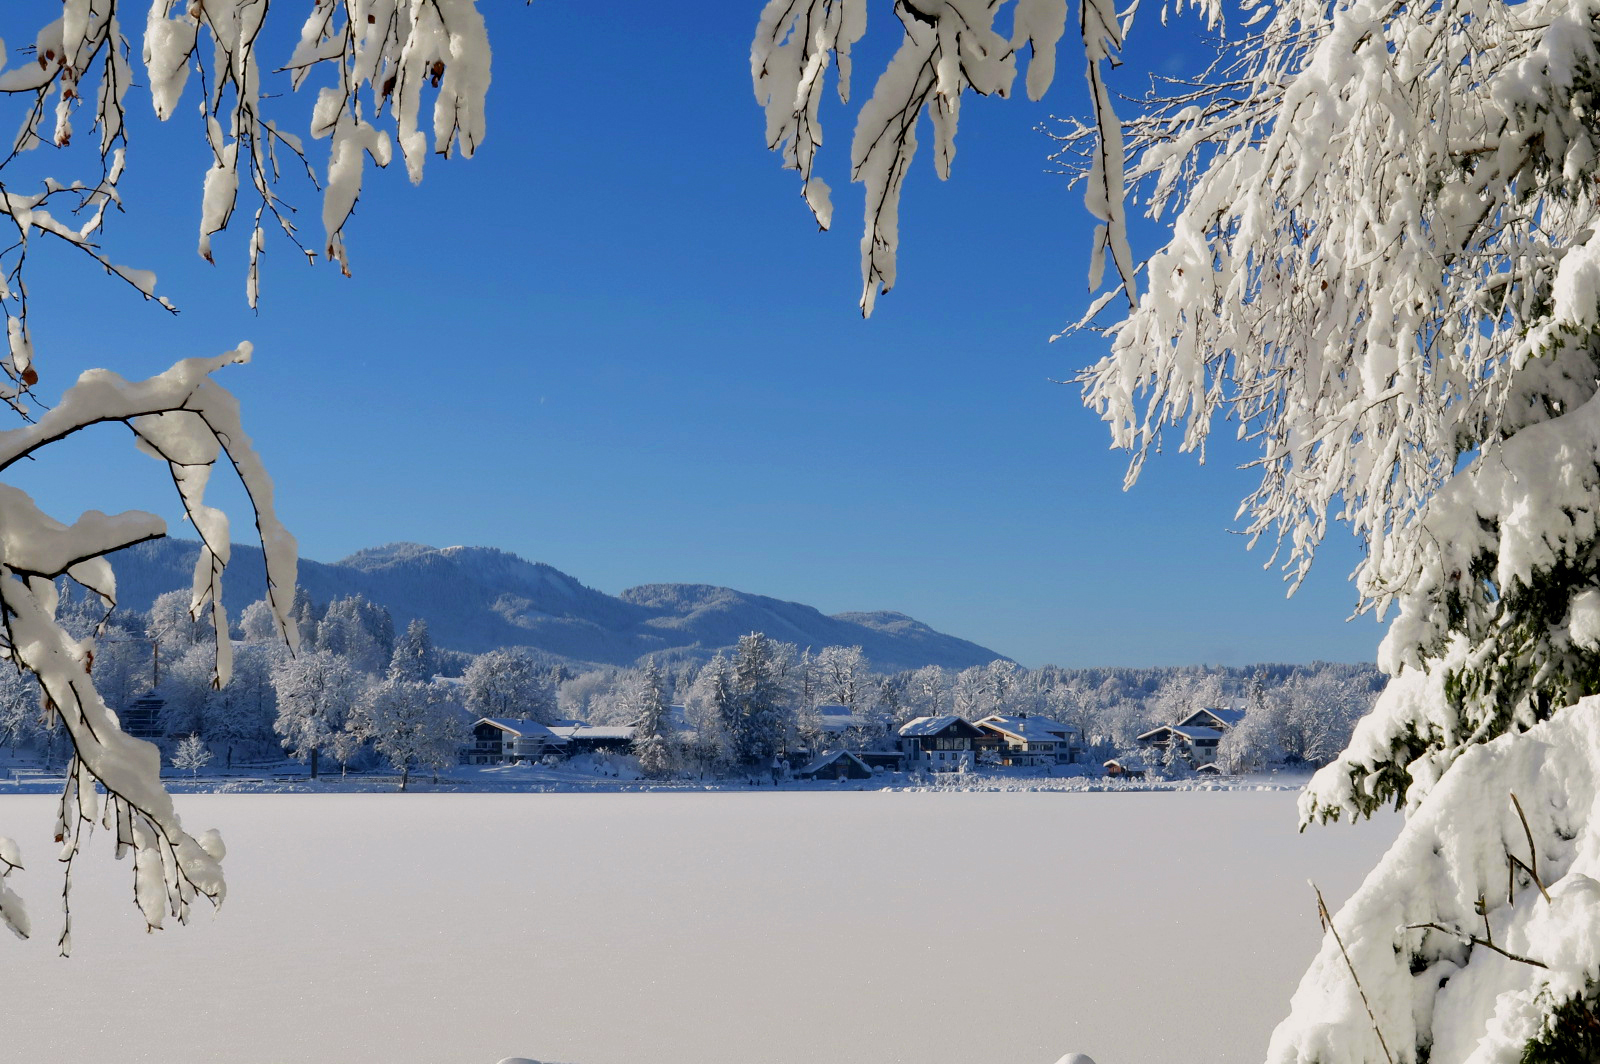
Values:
[(759, 723), (714, 709), (653, 736), (414, 658), (1384, 268), (359, 630)]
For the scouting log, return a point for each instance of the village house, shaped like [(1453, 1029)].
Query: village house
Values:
[(500, 740), (1127, 768), (1018, 739), (940, 744), (1197, 735), (580, 738), (838, 765)]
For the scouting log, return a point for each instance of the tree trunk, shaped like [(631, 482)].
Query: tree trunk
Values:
[(405, 777), (313, 763)]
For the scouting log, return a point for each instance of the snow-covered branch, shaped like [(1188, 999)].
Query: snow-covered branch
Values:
[(182, 418), (948, 47), (380, 59)]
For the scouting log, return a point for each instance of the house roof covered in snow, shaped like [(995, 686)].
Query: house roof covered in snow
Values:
[(1029, 729), (920, 726), (835, 719), (584, 731), (525, 728), (1213, 717), (820, 763), (1168, 730)]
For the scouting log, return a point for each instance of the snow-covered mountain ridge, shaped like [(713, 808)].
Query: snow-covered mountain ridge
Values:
[(479, 598)]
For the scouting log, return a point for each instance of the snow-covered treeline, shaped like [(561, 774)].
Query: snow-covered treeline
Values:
[(1296, 714), (356, 691), (360, 693)]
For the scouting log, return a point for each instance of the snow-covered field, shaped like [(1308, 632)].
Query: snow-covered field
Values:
[(694, 928)]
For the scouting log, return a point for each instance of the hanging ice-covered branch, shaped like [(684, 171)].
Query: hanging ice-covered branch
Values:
[(184, 419), (949, 46), (1103, 191), (795, 41), (380, 57)]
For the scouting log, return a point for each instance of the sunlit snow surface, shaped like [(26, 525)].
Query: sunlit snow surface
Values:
[(746, 928)]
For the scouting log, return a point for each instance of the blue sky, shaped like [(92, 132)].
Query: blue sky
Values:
[(615, 342)]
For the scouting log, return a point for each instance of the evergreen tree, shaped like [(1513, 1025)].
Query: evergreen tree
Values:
[(414, 658), (652, 738), (717, 717), (358, 630), (759, 726), (1396, 302)]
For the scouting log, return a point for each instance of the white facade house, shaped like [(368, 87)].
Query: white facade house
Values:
[(940, 744), (1020, 739), (501, 740)]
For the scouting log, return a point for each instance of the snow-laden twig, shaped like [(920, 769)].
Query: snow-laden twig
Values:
[(1532, 865), (1474, 940), (947, 48), (1328, 926)]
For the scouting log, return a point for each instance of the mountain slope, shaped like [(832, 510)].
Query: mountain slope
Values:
[(479, 598)]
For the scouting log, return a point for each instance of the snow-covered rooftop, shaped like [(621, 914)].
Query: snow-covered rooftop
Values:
[(526, 728), (584, 731), (835, 719), (1212, 715), (1029, 729), (827, 759), (1190, 733), (930, 725)]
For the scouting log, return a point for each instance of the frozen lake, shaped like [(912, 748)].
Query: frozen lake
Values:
[(693, 928)]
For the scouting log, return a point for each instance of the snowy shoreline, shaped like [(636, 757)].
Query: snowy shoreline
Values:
[(522, 779)]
